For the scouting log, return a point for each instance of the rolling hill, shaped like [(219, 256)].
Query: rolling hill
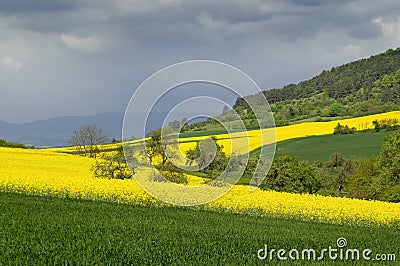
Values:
[(363, 87)]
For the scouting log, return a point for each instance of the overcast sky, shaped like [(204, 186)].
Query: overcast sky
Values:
[(81, 57)]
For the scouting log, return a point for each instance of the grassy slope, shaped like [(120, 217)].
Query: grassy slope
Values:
[(43, 230), (320, 148)]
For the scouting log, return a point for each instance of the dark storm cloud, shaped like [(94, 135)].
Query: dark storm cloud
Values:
[(191, 20), (57, 52), (27, 6), (318, 3)]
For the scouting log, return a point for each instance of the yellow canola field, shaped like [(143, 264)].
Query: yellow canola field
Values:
[(50, 173), (71, 149), (46, 172), (244, 142)]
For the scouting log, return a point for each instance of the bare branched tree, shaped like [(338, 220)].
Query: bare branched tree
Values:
[(87, 139)]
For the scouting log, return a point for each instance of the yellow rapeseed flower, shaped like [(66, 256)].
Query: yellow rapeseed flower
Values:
[(54, 172)]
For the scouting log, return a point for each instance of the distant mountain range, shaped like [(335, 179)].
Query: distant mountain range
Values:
[(56, 131)]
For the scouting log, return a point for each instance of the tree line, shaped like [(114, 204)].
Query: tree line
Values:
[(376, 178), (11, 144)]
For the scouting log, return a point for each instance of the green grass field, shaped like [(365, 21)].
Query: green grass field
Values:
[(320, 148), (42, 230)]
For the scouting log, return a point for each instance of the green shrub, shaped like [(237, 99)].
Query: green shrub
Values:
[(287, 174), (389, 158), (341, 130), (168, 172), (366, 182), (209, 156), (391, 194), (112, 166), (10, 144)]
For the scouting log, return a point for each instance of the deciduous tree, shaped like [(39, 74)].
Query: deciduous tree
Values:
[(86, 140)]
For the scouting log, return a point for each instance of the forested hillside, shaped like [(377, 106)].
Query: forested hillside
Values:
[(363, 87)]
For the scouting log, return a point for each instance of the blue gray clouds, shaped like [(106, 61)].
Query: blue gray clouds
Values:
[(79, 57)]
